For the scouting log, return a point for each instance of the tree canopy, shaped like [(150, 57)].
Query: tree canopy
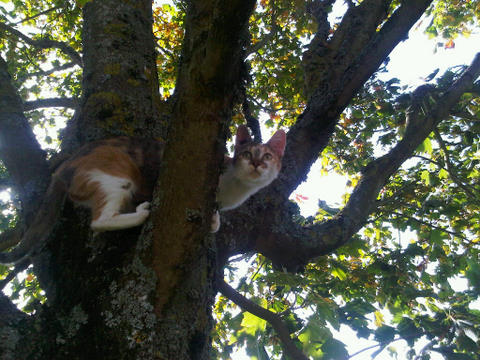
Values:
[(383, 264)]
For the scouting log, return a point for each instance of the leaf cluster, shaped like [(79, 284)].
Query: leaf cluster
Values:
[(42, 72)]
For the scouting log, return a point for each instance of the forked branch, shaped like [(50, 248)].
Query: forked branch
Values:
[(289, 245)]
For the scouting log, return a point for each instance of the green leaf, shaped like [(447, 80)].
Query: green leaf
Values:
[(312, 336), (339, 273), (425, 176), (251, 323), (406, 329), (467, 344), (473, 274), (334, 350), (436, 236), (443, 174), (425, 147), (385, 334)]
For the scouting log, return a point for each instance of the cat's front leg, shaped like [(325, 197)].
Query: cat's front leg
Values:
[(111, 220), (215, 225)]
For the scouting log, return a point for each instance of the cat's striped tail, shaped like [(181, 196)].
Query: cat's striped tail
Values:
[(38, 232)]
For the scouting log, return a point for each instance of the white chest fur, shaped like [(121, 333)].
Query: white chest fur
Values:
[(239, 182)]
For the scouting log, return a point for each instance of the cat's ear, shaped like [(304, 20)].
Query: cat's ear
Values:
[(243, 136), (277, 142)]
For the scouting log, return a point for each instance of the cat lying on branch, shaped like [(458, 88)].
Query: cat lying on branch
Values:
[(115, 179)]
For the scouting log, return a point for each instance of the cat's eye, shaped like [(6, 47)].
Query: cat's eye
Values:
[(267, 156), (247, 155)]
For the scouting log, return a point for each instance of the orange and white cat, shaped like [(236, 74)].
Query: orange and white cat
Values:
[(115, 179)]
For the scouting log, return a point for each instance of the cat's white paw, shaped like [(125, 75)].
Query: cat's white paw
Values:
[(143, 207), (142, 211), (215, 225)]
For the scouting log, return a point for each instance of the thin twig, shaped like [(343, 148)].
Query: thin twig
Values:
[(430, 161), (431, 225), (47, 72), (258, 269), (37, 15), (165, 51), (252, 121), (363, 350), (45, 43)]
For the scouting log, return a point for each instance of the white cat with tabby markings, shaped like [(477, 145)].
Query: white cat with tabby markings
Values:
[(115, 179), (252, 167)]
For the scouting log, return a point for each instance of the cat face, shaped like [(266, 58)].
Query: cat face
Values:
[(258, 164)]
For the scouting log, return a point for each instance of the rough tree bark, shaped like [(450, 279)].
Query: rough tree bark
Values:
[(147, 293)]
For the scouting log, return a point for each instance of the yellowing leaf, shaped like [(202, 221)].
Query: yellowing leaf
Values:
[(450, 44), (379, 320)]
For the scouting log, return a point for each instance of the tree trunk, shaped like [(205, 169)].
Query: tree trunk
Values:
[(136, 294)]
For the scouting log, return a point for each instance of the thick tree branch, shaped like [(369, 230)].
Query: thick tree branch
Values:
[(19, 150), (53, 102), (325, 237), (115, 99), (291, 246), (334, 82), (349, 42), (380, 45), (330, 92), (208, 81), (9, 238), (272, 318), (45, 43)]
